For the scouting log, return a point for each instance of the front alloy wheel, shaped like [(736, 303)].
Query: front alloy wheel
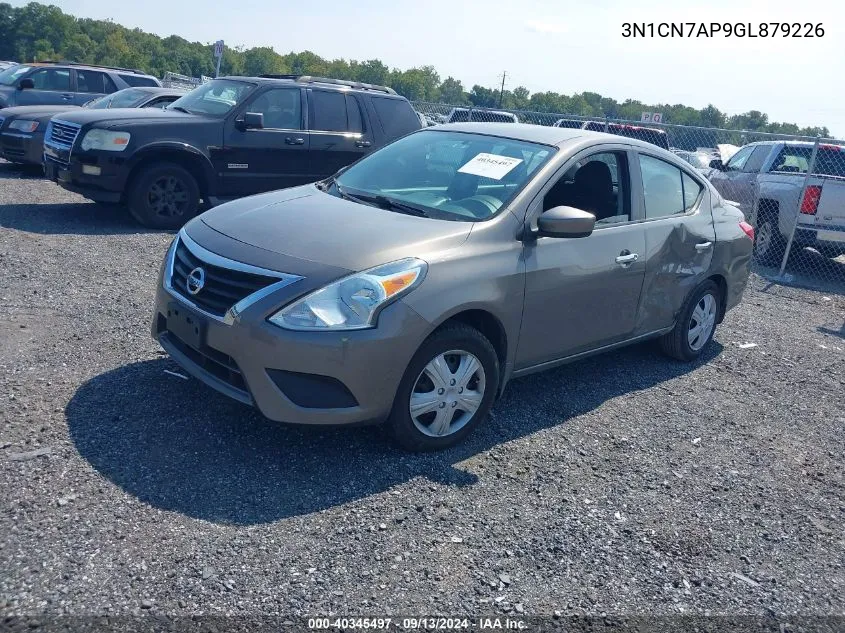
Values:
[(701, 322)]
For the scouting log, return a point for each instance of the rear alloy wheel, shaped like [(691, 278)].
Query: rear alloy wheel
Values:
[(696, 324), (446, 391), (769, 244), (164, 196)]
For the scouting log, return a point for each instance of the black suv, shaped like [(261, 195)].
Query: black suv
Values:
[(227, 138), (65, 83)]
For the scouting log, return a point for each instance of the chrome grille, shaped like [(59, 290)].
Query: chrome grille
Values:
[(63, 134), (223, 287)]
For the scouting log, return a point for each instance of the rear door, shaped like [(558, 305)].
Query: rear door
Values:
[(679, 237), (338, 132), (91, 84), (274, 157), (52, 87)]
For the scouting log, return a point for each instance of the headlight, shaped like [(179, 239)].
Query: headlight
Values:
[(106, 140), (353, 303), (23, 125)]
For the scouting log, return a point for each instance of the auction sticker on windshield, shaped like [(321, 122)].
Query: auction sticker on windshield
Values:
[(490, 166)]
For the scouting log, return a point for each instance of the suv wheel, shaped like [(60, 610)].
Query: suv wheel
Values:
[(447, 390), (164, 196), (769, 244), (696, 324)]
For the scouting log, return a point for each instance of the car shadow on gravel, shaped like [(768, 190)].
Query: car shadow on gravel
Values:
[(180, 446), (71, 218)]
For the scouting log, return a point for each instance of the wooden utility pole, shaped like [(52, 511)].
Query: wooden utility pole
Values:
[(502, 91)]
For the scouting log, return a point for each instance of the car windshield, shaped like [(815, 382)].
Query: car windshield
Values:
[(215, 98), (127, 98), (9, 76), (444, 175)]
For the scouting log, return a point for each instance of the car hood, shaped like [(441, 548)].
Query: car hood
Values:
[(307, 224), (36, 112), (104, 118)]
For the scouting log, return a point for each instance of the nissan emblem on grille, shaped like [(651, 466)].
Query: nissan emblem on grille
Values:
[(195, 280)]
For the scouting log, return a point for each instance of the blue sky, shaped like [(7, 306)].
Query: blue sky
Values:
[(561, 45)]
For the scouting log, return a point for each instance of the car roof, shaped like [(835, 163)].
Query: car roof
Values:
[(113, 69), (315, 82), (545, 134)]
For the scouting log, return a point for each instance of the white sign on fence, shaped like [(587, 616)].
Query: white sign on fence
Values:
[(646, 118), (652, 117)]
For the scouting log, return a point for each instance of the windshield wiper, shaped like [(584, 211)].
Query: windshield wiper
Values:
[(180, 108)]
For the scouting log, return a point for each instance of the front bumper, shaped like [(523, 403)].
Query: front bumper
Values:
[(299, 377), (18, 147), (67, 169)]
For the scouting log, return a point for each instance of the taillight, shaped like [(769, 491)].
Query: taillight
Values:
[(810, 203), (747, 229)]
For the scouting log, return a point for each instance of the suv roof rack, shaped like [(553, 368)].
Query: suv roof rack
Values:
[(357, 85), (63, 63)]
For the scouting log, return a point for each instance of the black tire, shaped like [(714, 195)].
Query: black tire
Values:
[(676, 343), (163, 196), (769, 244), (453, 337)]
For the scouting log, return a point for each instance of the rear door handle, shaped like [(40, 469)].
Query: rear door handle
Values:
[(703, 246), (630, 258), (294, 141), (67, 97), (362, 143)]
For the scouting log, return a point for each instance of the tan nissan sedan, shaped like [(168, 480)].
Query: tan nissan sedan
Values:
[(411, 286)]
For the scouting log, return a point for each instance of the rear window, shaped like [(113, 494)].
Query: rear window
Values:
[(137, 81), (795, 160), (396, 115)]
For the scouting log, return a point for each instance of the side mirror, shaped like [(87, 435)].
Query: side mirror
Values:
[(565, 222), (716, 163), (253, 121), (26, 83)]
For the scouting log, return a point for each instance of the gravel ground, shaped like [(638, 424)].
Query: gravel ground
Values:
[(624, 484)]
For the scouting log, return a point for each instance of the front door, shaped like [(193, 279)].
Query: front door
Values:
[(339, 136), (52, 87), (273, 157), (738, 180), (583, 293)]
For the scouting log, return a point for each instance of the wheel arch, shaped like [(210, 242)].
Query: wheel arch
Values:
[(190, 158), (491, 327)]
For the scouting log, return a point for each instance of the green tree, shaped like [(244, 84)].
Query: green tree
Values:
[(452, 92)]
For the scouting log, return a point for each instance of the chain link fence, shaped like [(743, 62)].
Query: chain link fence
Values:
[(791, 188), (184, 82)]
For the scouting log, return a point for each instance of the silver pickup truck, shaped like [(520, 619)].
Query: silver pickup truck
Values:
[(771, 175)]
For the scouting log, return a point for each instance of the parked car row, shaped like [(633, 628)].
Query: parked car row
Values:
[(22, 128), (391, 272)]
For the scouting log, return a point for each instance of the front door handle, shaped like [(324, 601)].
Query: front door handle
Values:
[(626, 259), (294, 141), (67, 97), (703, 246), (362, 143)]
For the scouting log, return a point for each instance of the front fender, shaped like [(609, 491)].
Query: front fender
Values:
[(178, 149)]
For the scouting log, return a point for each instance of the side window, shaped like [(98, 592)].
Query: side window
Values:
[(329, 111), (757, 158), (397, 116), (662, 188), (51, 79), (598, 184), (110, 86), (737, 161), (137, 81), (692, 190), (281, 108), (90, 81), (793, 160), (356, 123)]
